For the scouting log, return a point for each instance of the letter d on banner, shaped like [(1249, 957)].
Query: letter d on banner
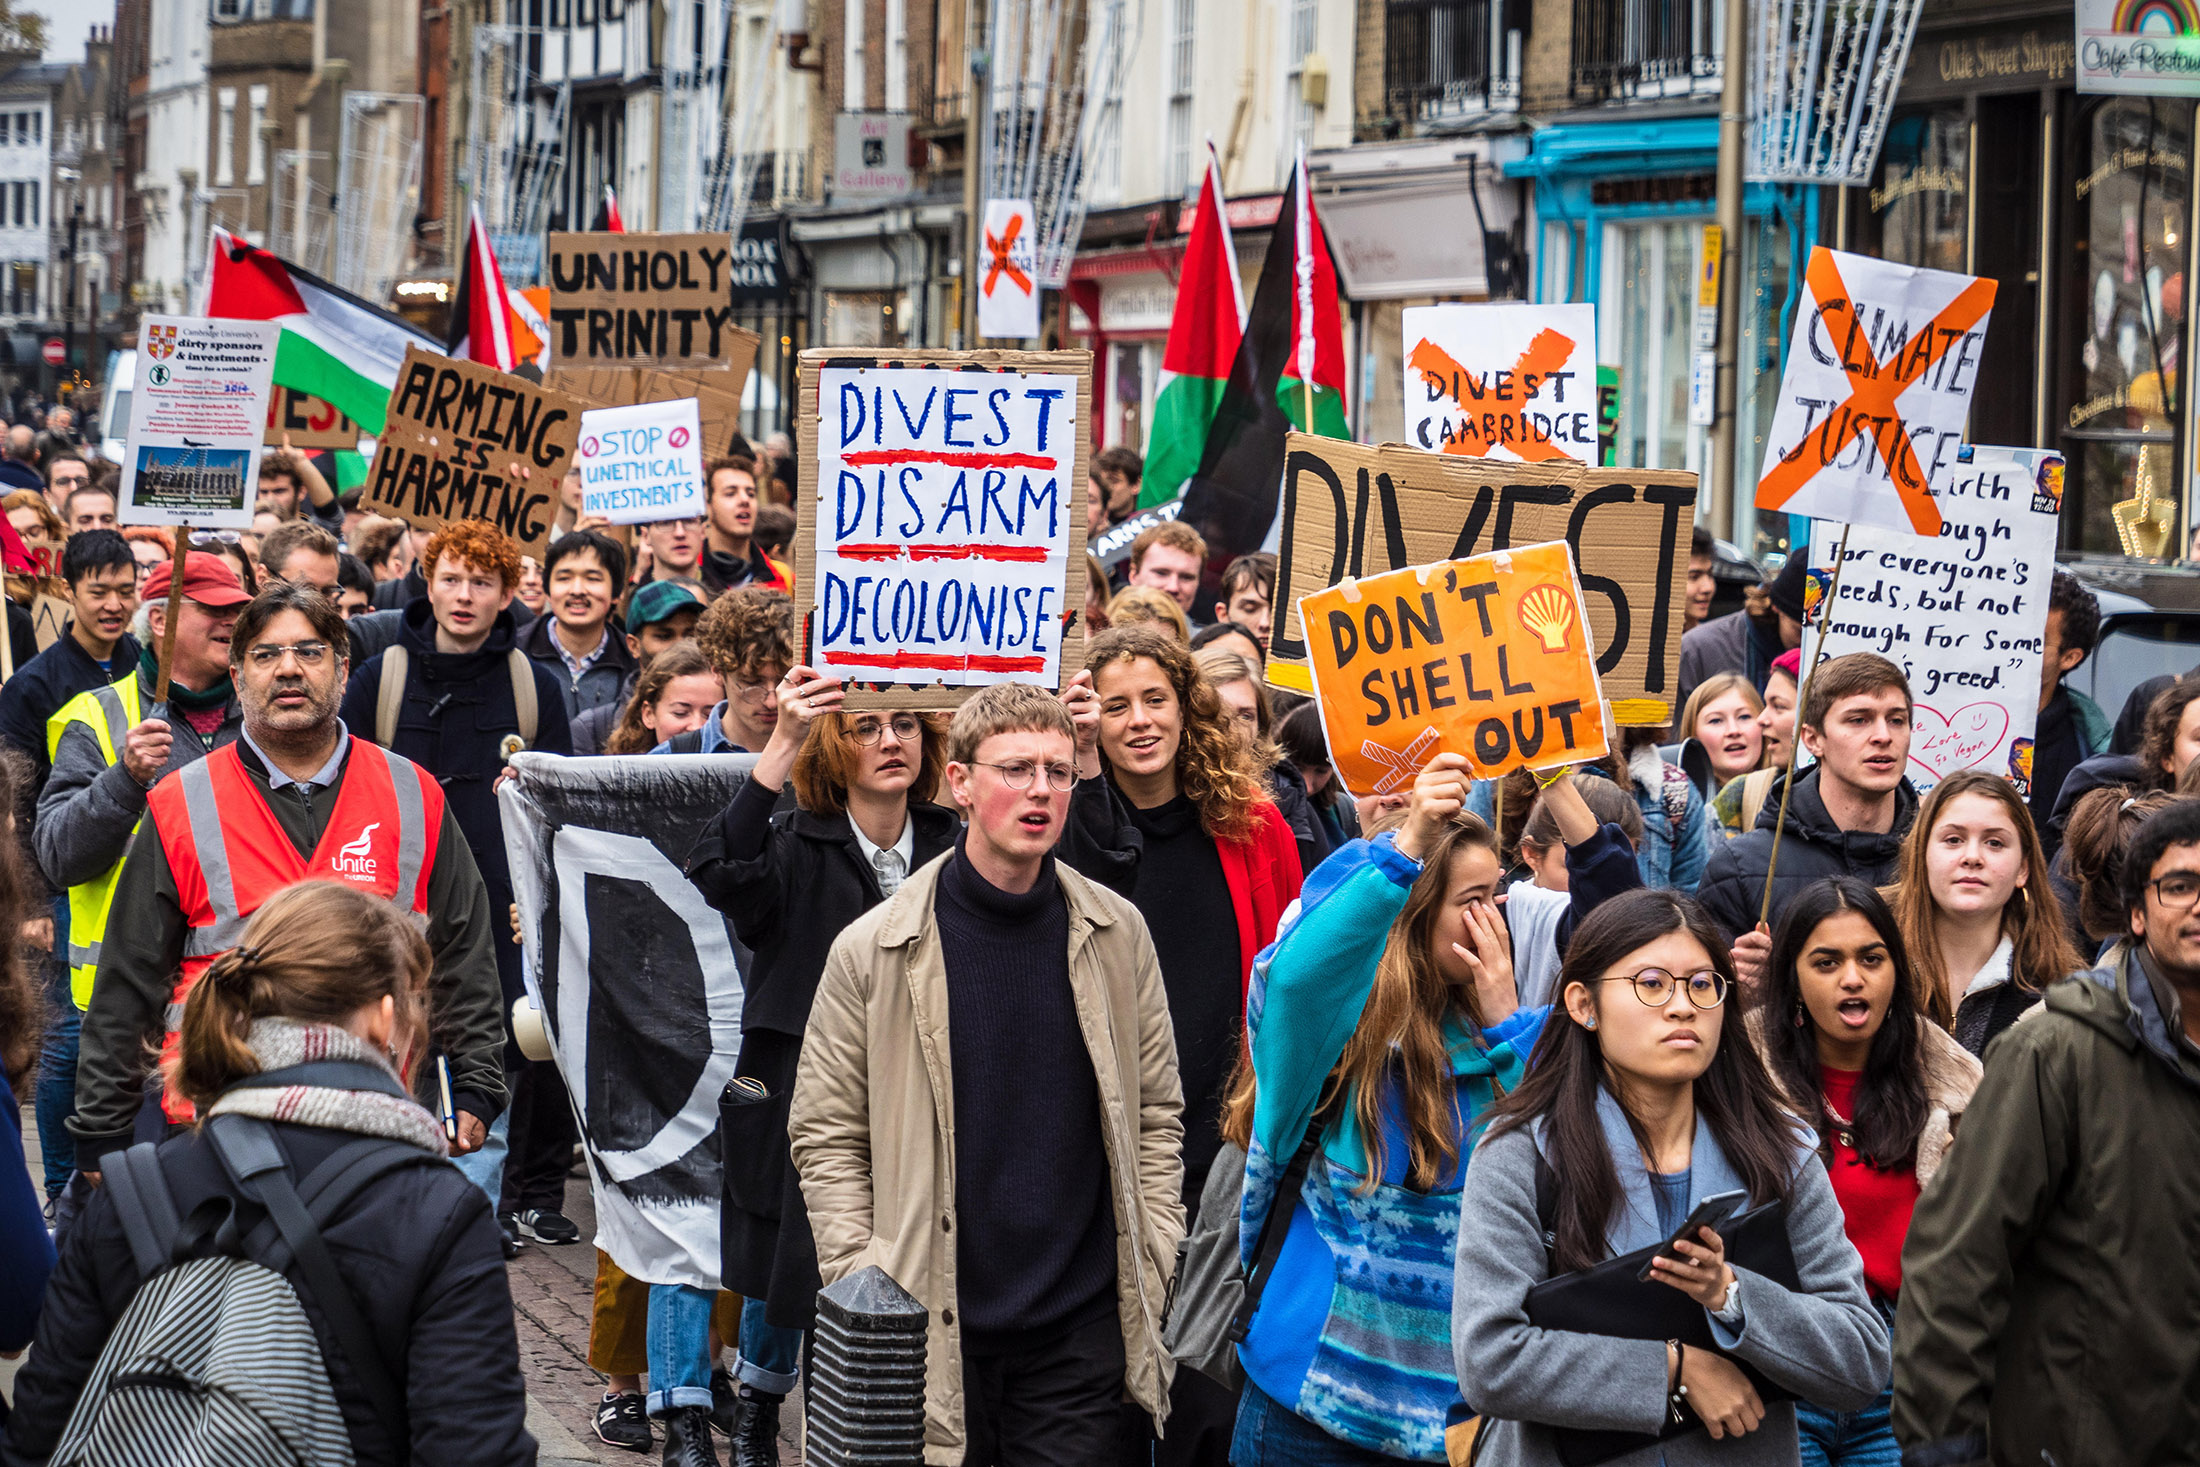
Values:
[(1008, 265)]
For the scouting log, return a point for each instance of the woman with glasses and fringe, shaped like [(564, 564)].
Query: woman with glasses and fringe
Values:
[(1638, 1106), (1852, 1040), (863, 820), (1383, 1022)]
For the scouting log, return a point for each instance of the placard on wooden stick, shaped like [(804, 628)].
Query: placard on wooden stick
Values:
[(636, 300), (1350, 511), (940, 535), (454, 430)]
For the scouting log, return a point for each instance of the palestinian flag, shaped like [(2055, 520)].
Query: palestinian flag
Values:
[(333, 345), (481, 313), (1294, 336), (1204, 332), (607, 220)]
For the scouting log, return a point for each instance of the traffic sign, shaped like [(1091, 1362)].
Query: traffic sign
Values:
[(55, 351)]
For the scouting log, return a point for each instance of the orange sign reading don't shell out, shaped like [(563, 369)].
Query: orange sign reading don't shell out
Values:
[(1489, 657)]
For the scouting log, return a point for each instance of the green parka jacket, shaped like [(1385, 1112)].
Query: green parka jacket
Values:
[(2051, 1281)]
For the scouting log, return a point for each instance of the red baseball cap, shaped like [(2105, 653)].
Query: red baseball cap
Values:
[(207, 579)]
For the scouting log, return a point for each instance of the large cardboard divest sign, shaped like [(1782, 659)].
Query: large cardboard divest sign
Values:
[(640, 984)]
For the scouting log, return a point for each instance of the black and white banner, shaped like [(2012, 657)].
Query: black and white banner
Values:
[(640, 986)]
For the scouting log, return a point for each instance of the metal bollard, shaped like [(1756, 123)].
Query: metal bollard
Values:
[(864, 1394)]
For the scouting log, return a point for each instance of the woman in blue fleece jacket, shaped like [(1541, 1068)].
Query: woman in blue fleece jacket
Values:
[(1388, 1004)]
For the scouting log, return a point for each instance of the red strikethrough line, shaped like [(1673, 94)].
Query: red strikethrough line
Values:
[(1025, 554), (940, 661), (889, 457)]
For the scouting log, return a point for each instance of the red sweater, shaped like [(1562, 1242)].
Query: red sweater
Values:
[(1875, 1204), (1264, 876)]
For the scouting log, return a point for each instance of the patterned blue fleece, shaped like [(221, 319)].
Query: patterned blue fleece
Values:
[(1354, 1330)]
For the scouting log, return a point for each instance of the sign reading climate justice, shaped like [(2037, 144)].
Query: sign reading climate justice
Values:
[(1507, 381), (1880, 372), (467, 442), (1488, 657), (193, 454), (1962, 613), (643, 463), (946, 516)]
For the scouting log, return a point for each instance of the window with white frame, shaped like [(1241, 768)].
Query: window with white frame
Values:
[(897, 55), (1298, 116), (1183, 15), (255, 168), (851, 55), (225, 128)]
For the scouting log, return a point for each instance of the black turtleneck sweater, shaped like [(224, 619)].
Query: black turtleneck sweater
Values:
[(1035, 1241), (1185, 900)]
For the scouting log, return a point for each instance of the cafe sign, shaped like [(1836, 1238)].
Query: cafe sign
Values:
[(2144, 48)]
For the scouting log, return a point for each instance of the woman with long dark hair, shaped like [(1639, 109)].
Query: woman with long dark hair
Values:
[(1984, 934), (1639, 1106), (1845, 1029), (864, 819), (1384, 1021)]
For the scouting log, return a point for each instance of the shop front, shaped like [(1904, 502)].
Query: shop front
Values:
[(879, 276), (2082, 209), (1624, 209), (766, 271)]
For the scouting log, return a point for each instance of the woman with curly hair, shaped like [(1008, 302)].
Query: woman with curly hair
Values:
[(674, 695), (1218, 866)]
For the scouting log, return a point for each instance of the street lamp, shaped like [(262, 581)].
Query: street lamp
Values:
[(74, 180)]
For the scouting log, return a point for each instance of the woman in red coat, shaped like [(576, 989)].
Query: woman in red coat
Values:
[(1217, 866)]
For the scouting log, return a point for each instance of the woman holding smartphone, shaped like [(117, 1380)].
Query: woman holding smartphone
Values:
[(1385, 1019), (1640, 1106), (1841, 1029)]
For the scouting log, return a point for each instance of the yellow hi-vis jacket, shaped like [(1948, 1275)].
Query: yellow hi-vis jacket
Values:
[(110, 713)]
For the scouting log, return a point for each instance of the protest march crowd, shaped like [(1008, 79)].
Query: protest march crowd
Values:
[(1689, 1103)]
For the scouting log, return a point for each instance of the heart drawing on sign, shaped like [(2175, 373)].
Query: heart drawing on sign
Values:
[(1942, 743)]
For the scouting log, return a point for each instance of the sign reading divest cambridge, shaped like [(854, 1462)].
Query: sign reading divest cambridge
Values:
[(944, 532), (1355, 511), (1506, 381), (643, 463), (455, 435), (1962, 613), (1879, 378), (193, 455), (641, 300), (1488, 657)]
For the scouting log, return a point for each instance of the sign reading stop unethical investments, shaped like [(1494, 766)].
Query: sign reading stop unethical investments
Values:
[(643, 463)]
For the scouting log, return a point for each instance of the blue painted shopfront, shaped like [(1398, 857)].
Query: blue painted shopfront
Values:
[(1621, 207)]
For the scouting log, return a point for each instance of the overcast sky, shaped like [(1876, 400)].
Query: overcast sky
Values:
[(66, 23)]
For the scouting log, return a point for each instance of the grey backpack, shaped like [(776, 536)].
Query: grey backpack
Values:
[(214, 1363)]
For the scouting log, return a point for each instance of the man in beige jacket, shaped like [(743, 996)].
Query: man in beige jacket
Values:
[(987, 1108)]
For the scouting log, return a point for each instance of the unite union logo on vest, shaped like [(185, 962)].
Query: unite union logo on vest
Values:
[(355, 858)]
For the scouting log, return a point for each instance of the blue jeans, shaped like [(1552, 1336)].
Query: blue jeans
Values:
[(679, 1347), (1270, 1435), (1848, 1438), (56, 1094), (485, 1168), (770, 1355)]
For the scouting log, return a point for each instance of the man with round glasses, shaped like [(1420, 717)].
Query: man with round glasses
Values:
[(296, 798)]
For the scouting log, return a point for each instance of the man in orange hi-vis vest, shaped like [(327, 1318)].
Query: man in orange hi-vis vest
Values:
[(296, 798)]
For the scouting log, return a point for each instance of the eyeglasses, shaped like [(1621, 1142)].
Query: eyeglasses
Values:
[(310, 654), (71, 481), (214, 537), (1706, 990), (906, 726), (689, 523), (2177, 891), (757, 694), (1017, 774)]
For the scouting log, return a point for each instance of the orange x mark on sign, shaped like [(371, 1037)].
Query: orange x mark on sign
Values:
[(1874, 385), (1495, 428), (998, 245)]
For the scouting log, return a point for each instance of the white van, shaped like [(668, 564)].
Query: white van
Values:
[(114, 404)]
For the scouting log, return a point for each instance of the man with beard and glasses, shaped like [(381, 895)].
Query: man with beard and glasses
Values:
[(296, 798)]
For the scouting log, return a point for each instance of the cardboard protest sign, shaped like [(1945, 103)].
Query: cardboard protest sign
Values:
[(1962, 613), (643, 463), (307, 421), (1350, 510), (50, 606), (196, 416), (456, 433), (1880, 372), (1008, 286), (1508, 381), (631, 300), (1489, 657), (941, 516), (717, 393)]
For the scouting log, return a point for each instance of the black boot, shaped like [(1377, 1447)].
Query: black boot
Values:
[(755, 1429), (687, 1438)]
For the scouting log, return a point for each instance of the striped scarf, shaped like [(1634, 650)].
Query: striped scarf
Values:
[(281, 1043)]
